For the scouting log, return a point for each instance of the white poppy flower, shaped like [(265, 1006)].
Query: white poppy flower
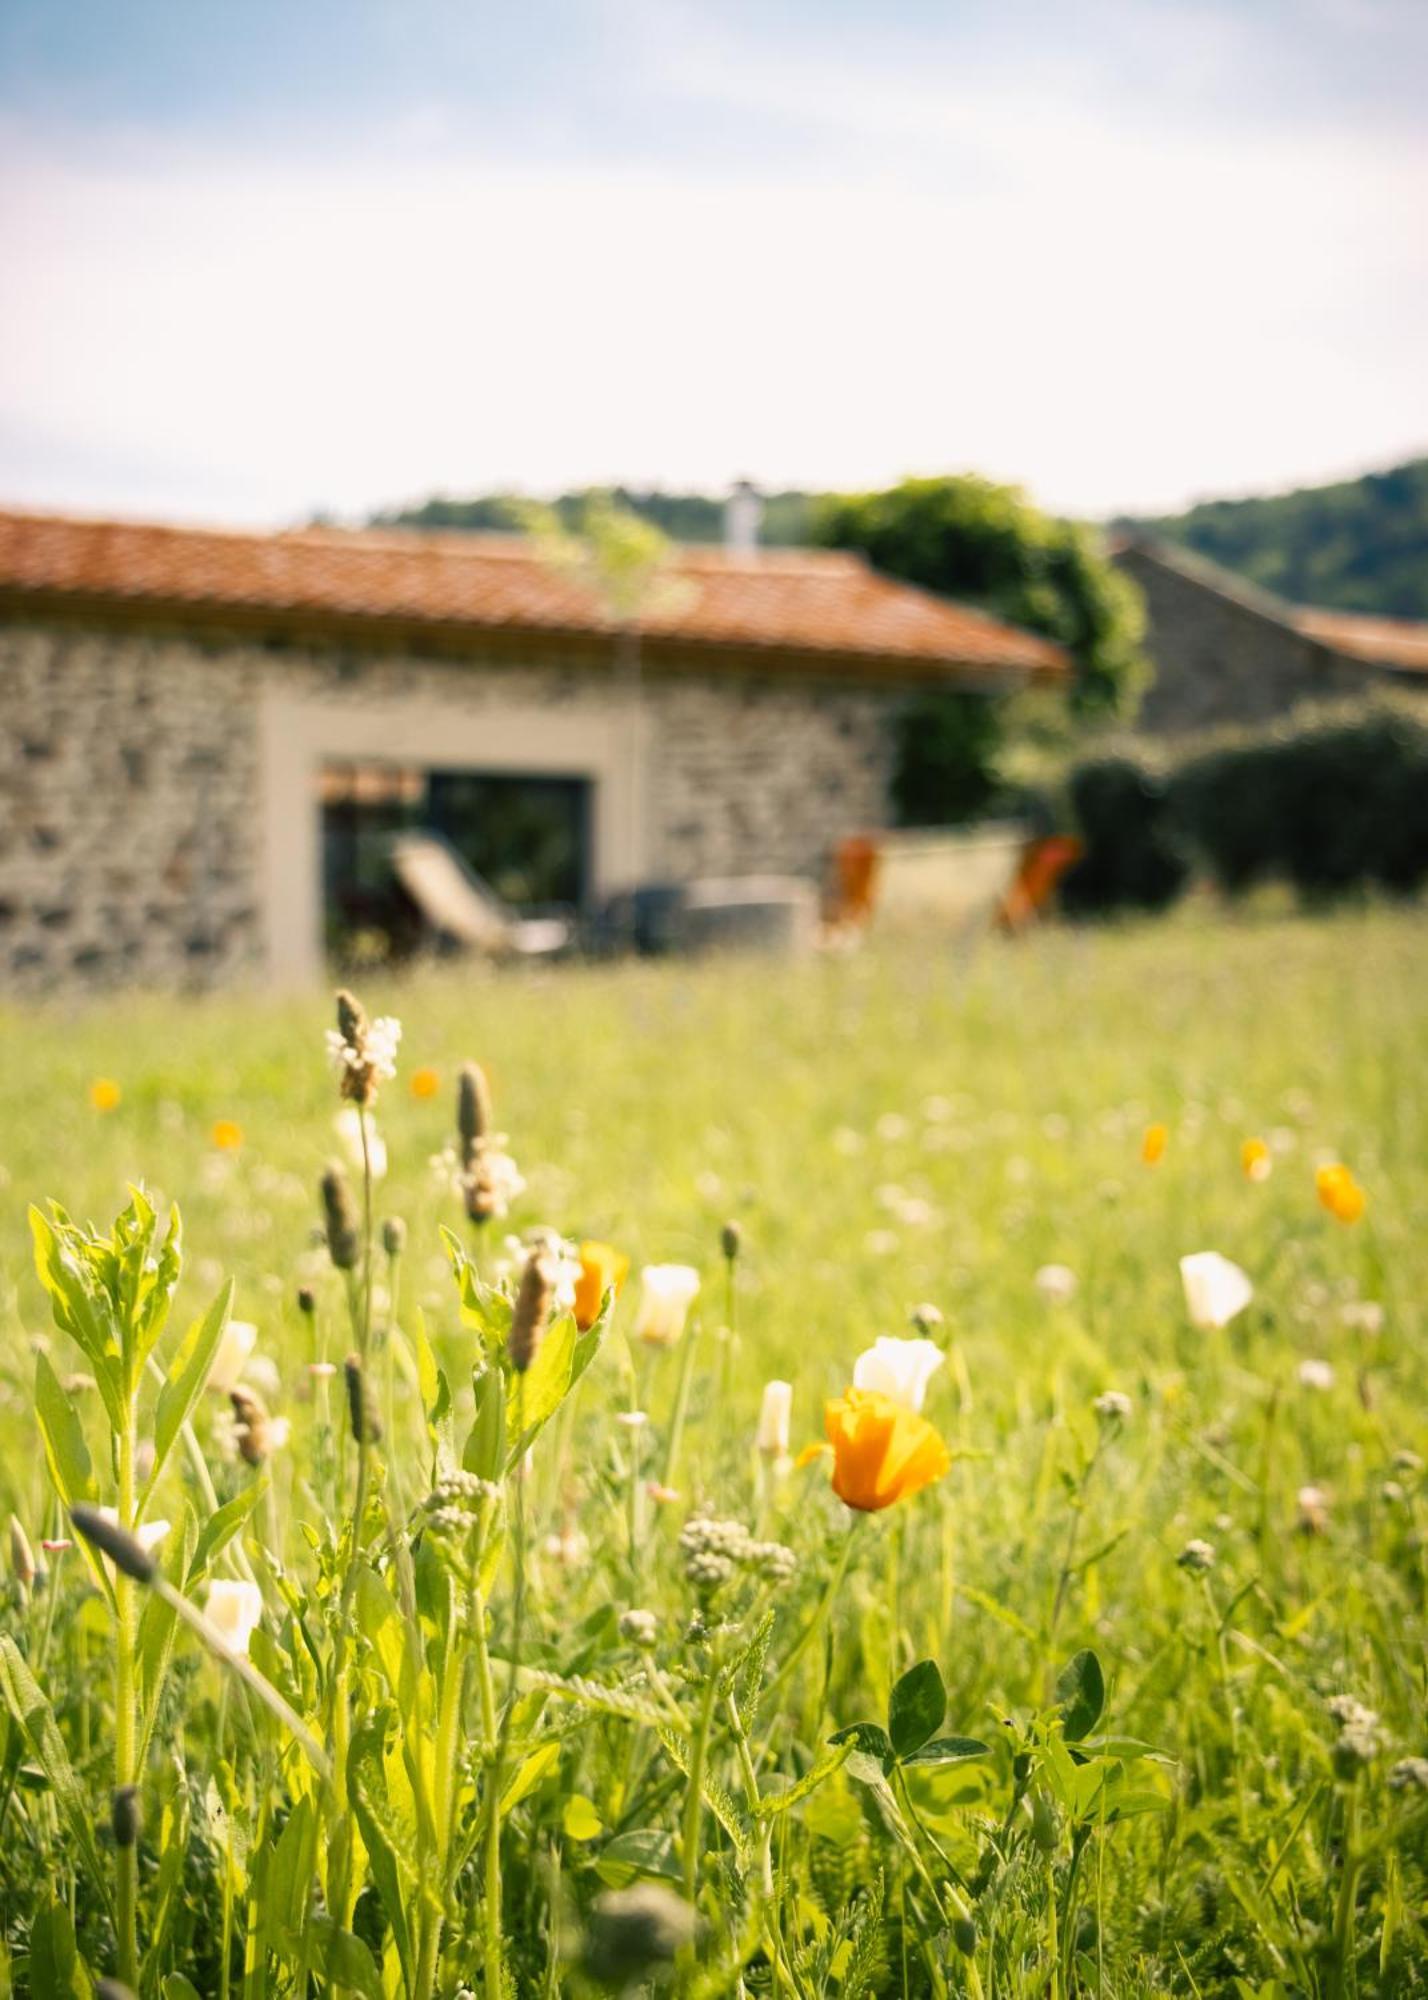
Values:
[(772, 1439), (1215, 1289), (666, 1293), (240, 1337), (899, 1369), (236, 1609)]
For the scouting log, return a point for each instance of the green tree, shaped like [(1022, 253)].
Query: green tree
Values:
[(988, 545)]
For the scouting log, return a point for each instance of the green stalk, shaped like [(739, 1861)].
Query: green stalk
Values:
[(491, 1951), (126, 1719), (694, 1797), (1340, 1970)]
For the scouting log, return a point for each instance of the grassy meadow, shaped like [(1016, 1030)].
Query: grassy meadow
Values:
[(1151, 1620)]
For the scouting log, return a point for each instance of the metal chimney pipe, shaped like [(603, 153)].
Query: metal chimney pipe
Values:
[(743, 515)]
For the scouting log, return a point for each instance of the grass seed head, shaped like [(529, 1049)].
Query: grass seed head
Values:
[(344, 1235), (473, 1109), (253, 1426), (394, 1236), (534, 1298), (125, 1551), (366, 1424)]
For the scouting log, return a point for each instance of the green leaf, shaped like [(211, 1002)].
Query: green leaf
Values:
[(176, 1987), (950, 1750), (485, 1452), (220, 1528), (290, 1874), (916, 1707), (34, 1717), (55, 1970), (341, 1957), (579, 1819), (184, 1382), (390, 1845), (1081, 1694), (66, 1453), (529, 1773), (533, 1398), (870, 1739), (644, 1850)]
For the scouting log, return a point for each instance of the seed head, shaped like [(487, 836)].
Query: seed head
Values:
[(306, 1301), (473, 1109), (1197, 1556), (125, 1551), (344, 1235), (366, 1424), (639, 1628), (124, 1816), (731, 1241), (532, 1309), (252, 1424), (394, 1236)]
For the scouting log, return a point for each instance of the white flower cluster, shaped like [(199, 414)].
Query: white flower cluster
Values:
[(376, 1052)]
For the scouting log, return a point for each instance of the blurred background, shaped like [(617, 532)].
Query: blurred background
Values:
[(964, 462)]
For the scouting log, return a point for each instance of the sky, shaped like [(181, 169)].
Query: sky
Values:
[(265, 259)]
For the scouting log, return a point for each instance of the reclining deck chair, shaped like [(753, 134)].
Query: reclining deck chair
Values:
[(463, 909)]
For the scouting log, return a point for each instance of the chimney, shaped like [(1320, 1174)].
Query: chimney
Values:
[(743, 512)]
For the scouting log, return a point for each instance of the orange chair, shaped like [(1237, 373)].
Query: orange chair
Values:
[(1044, 864), (856, 865)]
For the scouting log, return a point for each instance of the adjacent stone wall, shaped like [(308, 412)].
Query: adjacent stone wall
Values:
[(130, 771), (1219, 660)]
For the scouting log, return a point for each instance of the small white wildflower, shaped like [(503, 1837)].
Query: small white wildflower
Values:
[(235, 1350), (633, 1420), (1113, 1406), (891, 1127), (1216, 1290), (1363, 1316), (1196, 1555), (236, 1609), (1316, 1375), (898, 1369), (1313, 1505), (1056, 1283)]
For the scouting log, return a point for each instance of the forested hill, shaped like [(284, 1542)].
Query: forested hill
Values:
[(685, 517), (1360, 545)]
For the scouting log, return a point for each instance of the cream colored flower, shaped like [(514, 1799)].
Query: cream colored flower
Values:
[(1215, 1289), (235, 1609), (666, 1293), (898, 1369), (1056, 1283), (240, 1337), (772, 1438)]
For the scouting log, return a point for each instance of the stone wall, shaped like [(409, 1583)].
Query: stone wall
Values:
[(1218, 658), (131, 777)]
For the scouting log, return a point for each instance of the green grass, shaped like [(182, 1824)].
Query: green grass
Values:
[(889, 1129)]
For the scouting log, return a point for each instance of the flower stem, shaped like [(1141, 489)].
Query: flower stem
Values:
[(126, 1716)]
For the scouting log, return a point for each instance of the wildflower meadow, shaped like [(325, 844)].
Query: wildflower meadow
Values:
[(896, 1475)]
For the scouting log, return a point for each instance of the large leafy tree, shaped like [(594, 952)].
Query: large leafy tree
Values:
[(988, 545)]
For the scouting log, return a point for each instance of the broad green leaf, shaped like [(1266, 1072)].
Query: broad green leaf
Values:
[(66, 1452), (176, 1987), (950, 1750), (341, 1958), (916, 1707), (55, 1969), (184, 1382), (485, 1452), (1081, 1694), (34, 1717), (533, 1398), (868, 1739), (290, 1874), (391, 1846)]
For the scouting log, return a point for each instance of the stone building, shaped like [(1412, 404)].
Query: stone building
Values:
[(1224, 651), (208, 736)]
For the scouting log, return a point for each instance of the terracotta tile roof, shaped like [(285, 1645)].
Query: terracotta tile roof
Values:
[(1397, 643), (807, 606)]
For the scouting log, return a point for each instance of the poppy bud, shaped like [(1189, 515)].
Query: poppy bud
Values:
[(22, 1556)]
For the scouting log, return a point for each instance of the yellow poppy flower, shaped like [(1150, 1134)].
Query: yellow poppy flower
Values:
[(1340, 1192), (227, 1135), (1256, 1160), (104, 1094), (425, 1082), (882, 1451), (1153, 1145), (601, 1267)]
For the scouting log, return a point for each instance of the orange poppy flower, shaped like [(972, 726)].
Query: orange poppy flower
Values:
[(104, 1094), (1256, 1160), (227, 1135), (882, 1451), (1153, 1145), (602, 1267), (1340, 1192), (425, 1082)]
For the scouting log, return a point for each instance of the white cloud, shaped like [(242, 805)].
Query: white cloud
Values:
[(992, 278)]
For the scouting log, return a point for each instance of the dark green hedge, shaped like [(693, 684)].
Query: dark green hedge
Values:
[(1330, 809)]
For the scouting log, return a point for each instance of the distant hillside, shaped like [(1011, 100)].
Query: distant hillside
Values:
[(1361, 545), (685, 517)]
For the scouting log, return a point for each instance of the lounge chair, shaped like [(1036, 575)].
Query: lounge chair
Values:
[(461, 908)]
